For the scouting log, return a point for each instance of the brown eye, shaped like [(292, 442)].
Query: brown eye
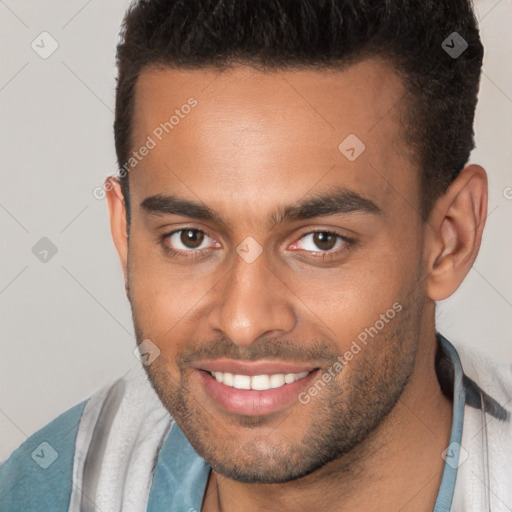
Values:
[(188, 243), (324, 240), (191, 238), (324, 243), (187, 240)]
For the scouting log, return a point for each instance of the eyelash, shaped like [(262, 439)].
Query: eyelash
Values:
[(192, 254)]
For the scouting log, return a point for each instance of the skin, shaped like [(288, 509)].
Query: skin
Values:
[(255, 143)]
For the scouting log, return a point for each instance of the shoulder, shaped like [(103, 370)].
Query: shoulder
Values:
[(488, 412), (122, 425), (494, 377), (38, 474), (486, 450)]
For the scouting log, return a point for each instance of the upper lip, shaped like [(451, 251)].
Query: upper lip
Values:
[(252, 368)]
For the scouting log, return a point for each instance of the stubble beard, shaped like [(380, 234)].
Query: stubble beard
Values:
[(340, 418)]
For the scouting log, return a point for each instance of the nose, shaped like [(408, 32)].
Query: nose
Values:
[(251, 302)]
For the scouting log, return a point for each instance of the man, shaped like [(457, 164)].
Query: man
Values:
[(293, 198)]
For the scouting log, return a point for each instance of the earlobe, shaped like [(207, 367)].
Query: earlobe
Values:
[(117, 212), (455, 232)]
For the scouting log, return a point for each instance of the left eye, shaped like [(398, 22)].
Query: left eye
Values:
[(321, 241), (188, 239)]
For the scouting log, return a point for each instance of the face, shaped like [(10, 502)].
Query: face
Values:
[(277, 271)]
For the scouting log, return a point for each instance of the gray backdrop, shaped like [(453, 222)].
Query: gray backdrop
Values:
[(66, 324)]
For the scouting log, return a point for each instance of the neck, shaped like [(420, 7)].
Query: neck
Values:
[(399, 466)]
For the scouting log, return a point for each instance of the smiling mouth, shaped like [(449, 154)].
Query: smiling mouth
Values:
[(257, 382), (253, 389)]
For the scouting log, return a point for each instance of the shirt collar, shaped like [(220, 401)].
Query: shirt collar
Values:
[(451, 378)]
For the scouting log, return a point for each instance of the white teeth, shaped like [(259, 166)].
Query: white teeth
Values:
[(225, 378), (241, 381), (289, 378), (276, 381), (260, 382), (257, 382)]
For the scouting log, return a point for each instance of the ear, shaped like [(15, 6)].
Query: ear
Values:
[(454, 232), (117, 211)]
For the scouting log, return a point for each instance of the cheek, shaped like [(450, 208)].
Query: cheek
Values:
[(154, 281), (168, 301), (355, 295), (156, 294)]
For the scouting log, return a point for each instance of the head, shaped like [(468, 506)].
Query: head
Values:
[(302, 185)]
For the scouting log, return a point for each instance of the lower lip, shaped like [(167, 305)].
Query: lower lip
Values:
[(250, 402)]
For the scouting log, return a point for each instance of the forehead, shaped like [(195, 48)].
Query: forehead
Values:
[(354, 97), (282, 130)]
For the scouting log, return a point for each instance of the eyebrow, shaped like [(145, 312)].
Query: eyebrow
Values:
[(333, 202)]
